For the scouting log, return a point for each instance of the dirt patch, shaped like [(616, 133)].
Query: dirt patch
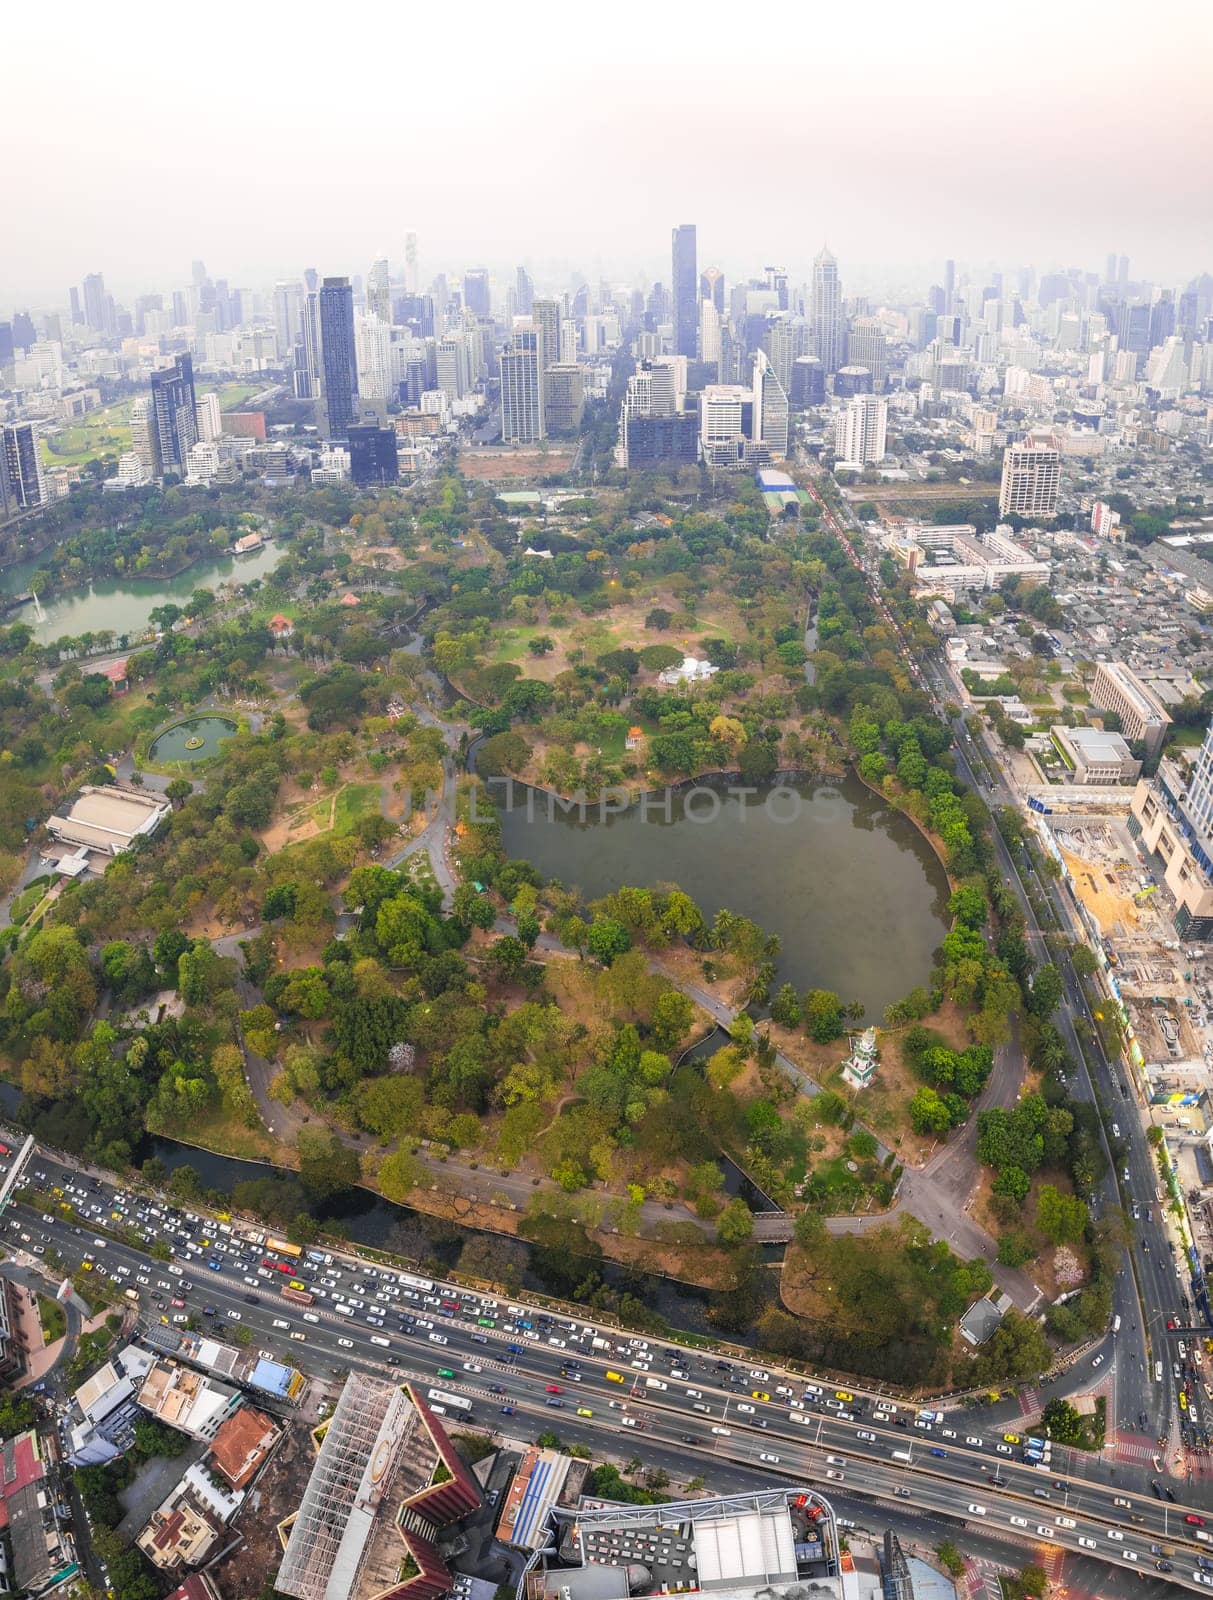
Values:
[(1115, 912), (491, 465)]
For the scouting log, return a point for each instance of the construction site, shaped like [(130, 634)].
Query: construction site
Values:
[(1166, 987)]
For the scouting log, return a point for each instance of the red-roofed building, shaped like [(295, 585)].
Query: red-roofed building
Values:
[(43, 1553), (350, 600), (115, 671), (281, 627), (635, 738), (198, 1586), (242, 1444)]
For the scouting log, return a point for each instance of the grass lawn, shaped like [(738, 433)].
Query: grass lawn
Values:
[(52, 1317), (219, 1131), (1185, 738), (614, 745), (353, 801), (102, 433)]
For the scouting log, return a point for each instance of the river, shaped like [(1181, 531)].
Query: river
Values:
[(853, 890), (124, 605)]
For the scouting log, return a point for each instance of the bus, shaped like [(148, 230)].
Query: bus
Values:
[(452, 1402), (282, 1247), (411, 1282), (300, 1296)]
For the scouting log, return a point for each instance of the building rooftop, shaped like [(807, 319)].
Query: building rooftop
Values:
[(105, 817), (241, 1444), (532, 1494)]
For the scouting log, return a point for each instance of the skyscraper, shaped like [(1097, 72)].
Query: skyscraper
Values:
[(545, 316), (524, 290), (452, 366), (288, 320), (476, 296), (378, 291), (711, 287), (94, 302), (827, 311), (174, 414), (77, 312), (686, 291), (338, 363), (521, 389), (1031, 477), (867, 347), (563, 399), (770, 408), (22, 466)]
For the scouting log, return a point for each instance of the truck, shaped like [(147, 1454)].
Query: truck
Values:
[(600, 1344), (930, 1416), (299, 1297), (320, 1257)]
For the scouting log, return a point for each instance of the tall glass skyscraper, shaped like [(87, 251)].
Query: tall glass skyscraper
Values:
[(174, 414), (827, 311), (338, 363), (686, 291)]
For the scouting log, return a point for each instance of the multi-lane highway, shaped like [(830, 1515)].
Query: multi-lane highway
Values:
[(522, 1370)]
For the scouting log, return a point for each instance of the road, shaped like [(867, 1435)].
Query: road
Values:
[(706, 1416)]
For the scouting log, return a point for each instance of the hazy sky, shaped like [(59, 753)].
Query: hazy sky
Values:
[(267, 138)]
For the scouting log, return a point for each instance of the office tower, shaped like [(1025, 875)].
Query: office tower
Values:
[(311, 279), (709, 332), (288, 317), (198, 273), (568, 343), (1122, 270), (868, 347), (685, 283), (826, 307), (7, 343), (476, 295), (374, 454), (378, 290), (860, 429), (711, 287), (174, 414), (26, 486), (411, 282), (777, 281), (73, 295), (338, 362), (784, 338), (949, 285), (850, 381), (723, 412), (546, 319), (1031, 477), (808, 382), (1133, 327), (210, 418), (452, 366), (1109, 272), (94, 302), (373, 357), (1162, 319), (563, 399), (770, 408), (524, 291), (522, 389)]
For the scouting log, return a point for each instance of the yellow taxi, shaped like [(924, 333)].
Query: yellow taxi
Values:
[(1011, 1438), (843, 1394), (759, 1394)]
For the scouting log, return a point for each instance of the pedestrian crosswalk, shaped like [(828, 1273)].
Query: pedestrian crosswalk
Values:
[(1029, 1402)]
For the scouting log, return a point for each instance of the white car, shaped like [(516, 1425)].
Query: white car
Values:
[(1097, 1361), (976, 1511), (1046, 1533), (971, 1438), (472, 1366), (764, 1455), (1019, 1522), (234, 1316), (346, 1344), (1115, 1533), (741, 1406), (1087, 1544)]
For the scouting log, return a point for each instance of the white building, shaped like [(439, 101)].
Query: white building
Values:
[(948, 560), (522, 389), (689, 670), (1031, 478), (373, 354), (210, 418), (1143, 716), (722, 439), (1095, 757), (771, 408), (861, 429), (1105, 522), (334, 466)]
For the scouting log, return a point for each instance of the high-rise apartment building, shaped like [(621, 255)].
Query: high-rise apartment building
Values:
[(210, 418), (709, 332), (451, 362), (826, 311), (21, 471), (338, 360), (524, 292), (174, 414), (545, 316), (860, 429), (686, 291), (288, 316), (373, 356), (476, 295), (1142, 715), (522, 389), (1031, 478), (770, 408)]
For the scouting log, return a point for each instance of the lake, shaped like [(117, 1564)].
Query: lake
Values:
[(125, 604), (851, 887)]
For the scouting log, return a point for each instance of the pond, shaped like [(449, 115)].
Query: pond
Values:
[(193, 740), (855, 893), (123, 605)]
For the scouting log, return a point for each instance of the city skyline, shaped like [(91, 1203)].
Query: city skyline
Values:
[(985, 166)]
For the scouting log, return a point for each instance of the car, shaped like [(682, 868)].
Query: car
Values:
[(902, 1492), (234, 1316), (280, 1323), (759, 1394), (976, 1510), (472, 1366), (1097, 1361), (627, 1422), (1019, 1522), (741, 1406), (1045, 1533), (1011, 1438), (862, 1433), (971, 1438), (844, 1395), (1087, 1544), (832, 1472), (1004, 1449), (1193, 1520), (765, 1455), (1117, 1534), (584, 1411)]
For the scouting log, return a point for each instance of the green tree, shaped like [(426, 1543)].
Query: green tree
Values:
[(735, 1224), (1062, 1218)]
